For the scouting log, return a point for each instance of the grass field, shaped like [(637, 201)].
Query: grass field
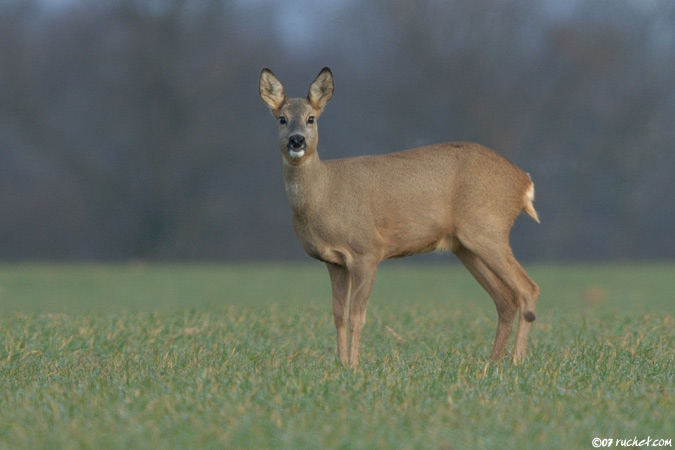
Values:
[(199, 356)]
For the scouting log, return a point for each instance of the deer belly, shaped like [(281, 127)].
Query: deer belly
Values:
[(401, 243)]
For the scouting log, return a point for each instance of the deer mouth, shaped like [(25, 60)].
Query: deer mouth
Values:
[(296, 153)]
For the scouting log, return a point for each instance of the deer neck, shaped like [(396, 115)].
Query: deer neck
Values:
[(303, 183)]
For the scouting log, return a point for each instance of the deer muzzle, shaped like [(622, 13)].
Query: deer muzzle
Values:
[(296, 146)]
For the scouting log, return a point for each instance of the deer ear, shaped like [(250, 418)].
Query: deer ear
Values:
[(271, 90), (321, 89)]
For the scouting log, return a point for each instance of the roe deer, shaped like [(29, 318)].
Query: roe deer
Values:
[(353, 213)]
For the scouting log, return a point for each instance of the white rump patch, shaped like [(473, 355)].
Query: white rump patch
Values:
[(530, 193), (529, 198)]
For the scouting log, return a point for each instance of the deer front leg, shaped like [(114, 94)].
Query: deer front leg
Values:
[(362, 276), (341, 285)]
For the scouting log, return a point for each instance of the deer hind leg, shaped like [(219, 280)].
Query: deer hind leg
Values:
[(500, 293), (505, 266), (362, 278), (341, 285), (498, 257), (526, 317)]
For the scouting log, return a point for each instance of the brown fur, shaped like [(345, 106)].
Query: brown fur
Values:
[(353, 213)]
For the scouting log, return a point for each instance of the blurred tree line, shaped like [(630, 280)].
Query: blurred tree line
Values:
[(133, 128)]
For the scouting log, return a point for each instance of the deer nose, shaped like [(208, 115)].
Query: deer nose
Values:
[(296, 141)]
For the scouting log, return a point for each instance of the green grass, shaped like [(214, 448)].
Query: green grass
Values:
[(200, 356)]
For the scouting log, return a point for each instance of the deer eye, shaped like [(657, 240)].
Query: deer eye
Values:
[(282, 120), (310, 119)]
